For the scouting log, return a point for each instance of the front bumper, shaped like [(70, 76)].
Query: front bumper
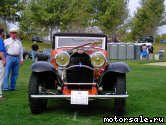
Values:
[(69, 96)]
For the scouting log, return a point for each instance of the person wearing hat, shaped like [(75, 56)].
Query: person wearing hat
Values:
[(2, 62), (13, 60)]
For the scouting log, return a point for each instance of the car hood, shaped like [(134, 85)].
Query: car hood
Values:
[(84, 49)]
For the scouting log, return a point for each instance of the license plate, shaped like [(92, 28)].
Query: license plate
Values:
[(79, 97)]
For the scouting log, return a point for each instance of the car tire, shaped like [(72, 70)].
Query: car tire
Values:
[(120, 89), (26, 56), (37, 106)]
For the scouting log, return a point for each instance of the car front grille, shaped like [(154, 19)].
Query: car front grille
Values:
[(79, 87), (79, 75)]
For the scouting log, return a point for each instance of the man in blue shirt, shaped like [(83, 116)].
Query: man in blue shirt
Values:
[(2, 62)]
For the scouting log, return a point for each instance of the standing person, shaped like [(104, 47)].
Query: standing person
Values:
[(13, 60), (2, 62), (150, 49), (144, 52), (35, 48)]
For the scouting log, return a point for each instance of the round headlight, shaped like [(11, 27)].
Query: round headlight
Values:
[(97, 59), (62, 58)]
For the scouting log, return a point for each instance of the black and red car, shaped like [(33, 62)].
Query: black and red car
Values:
[(79, 71)]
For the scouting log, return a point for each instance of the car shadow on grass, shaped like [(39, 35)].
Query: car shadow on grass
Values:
[(95, 107)]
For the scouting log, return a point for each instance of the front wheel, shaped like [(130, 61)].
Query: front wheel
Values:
[(36, 105), (120, 89)]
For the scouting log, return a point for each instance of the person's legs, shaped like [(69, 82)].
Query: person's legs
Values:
[(141, 57), (33, 56), (8, 66), (150, 56), (14, 73), (1, 77)]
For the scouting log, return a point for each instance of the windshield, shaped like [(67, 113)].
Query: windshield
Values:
[(77, 41)]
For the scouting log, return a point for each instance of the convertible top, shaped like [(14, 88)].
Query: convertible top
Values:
[(80, 34)]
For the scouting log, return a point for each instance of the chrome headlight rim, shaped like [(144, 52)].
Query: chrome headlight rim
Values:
[(103, 61), (66, 62)]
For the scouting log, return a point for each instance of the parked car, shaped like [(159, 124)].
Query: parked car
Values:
[(27, 54), (146, 39), (44, 55), (37, 38), (79, 71)]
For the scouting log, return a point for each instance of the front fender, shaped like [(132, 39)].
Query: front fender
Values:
[(42, 66), (46, 71), (119, 67), (108, 78)]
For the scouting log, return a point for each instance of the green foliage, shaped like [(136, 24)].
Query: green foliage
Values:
[(3, 24), (74, 15), (9, 9), (81, 18), (44, 15), (147, 18), (51, 13), (60, 14), (126, 37), (30, 27), (160, 37), (110, 15)]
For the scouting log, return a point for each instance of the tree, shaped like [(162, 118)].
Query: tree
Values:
[(3, 24), (66, 15), (52, 14), (147, 18), (9, 9), (29, 27), (110, 15), (81, 18), (75, 15)]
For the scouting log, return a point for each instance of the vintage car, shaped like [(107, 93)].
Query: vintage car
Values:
[(37, 38), (146, 39), (79, 71)]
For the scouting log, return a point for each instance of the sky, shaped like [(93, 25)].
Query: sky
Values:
[(133, 5)]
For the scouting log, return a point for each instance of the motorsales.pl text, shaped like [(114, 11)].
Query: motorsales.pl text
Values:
[(139, 119)]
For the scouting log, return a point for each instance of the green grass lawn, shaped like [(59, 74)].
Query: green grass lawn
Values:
[(146, 86), (158, 46), (27, 45)]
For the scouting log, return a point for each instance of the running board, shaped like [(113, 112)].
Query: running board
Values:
[(89, 96)]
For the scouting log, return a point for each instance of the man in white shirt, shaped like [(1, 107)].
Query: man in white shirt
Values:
[(13, 60)]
